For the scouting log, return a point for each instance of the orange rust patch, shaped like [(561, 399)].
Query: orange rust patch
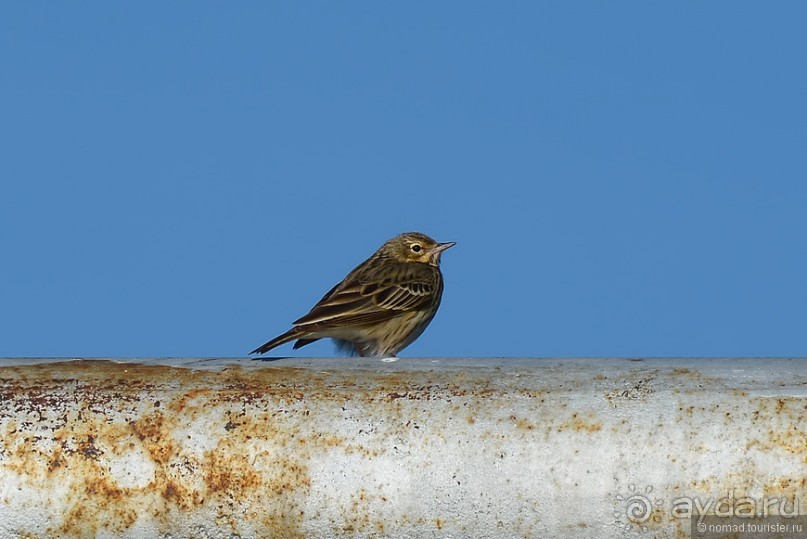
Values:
[(580, 424), (782, 423), (229, 473), (155, 436), (521, 423)]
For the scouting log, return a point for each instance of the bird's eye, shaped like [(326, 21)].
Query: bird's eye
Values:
[(416, 248)]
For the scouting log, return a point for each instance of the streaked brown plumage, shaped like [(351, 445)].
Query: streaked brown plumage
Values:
[(382, 306)]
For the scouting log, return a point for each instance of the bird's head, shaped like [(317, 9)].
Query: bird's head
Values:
[(414, 247)]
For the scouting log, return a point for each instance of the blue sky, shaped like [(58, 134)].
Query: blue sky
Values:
[(187, 178)]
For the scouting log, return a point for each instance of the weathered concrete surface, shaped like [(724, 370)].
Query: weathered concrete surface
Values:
[(415, 448)]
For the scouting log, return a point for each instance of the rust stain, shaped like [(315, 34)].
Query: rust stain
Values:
[(579, 423), (83, 428), (680, 371), (521, 423), (85, 419), (780, 423)]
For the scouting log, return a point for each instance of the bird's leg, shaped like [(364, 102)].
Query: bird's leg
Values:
[(359, 349)]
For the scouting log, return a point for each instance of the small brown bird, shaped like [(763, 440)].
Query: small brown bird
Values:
[(382, 306)]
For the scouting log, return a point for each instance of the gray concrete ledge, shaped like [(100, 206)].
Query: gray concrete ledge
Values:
[(414, 448)]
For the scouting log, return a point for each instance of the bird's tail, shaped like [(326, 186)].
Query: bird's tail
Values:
[(290, 335)]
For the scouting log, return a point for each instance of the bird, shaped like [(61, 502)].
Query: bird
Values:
[(381, 306)]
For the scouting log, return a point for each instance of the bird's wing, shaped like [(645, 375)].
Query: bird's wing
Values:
[(372, 296)]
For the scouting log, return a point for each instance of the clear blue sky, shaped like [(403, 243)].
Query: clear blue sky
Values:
[(187, 178)]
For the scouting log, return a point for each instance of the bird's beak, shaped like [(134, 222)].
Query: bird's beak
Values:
[(442, 247)]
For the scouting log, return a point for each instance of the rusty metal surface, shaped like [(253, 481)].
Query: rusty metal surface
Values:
[(413, 448)]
